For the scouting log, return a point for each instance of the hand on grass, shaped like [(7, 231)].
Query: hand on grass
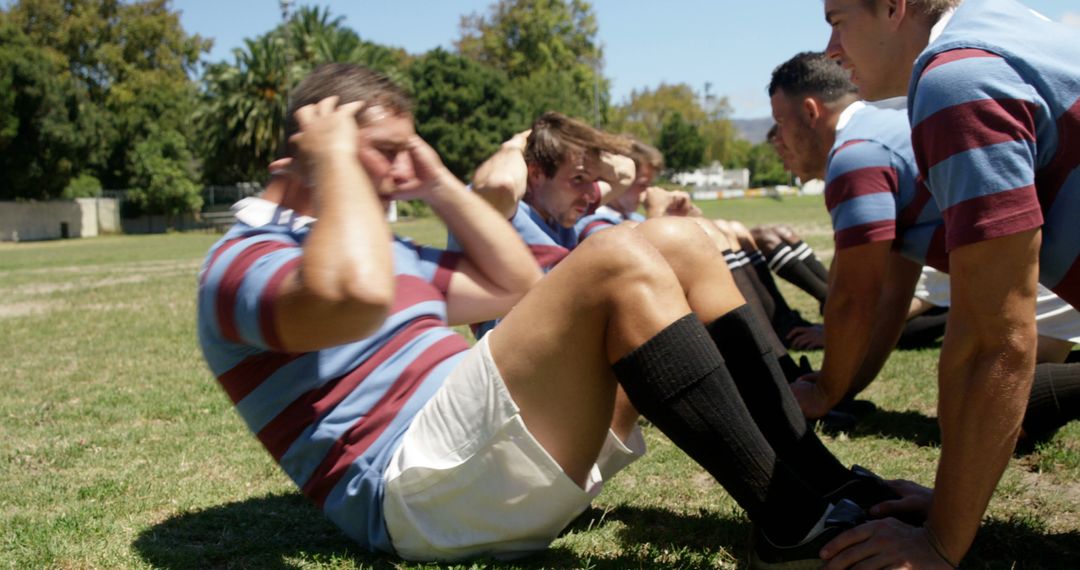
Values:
[(886, 543), (812, 399), (913, 504), (807, 338)]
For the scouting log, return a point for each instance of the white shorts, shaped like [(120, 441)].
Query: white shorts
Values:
[(470, 480), (1053, 317)]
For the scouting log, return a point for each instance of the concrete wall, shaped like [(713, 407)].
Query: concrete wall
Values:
[(85, 217)]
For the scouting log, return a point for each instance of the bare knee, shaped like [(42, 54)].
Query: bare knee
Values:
[(767, 238), (621, 255), (679, 238), (787, 234)]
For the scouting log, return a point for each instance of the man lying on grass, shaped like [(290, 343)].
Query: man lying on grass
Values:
[(332, 338)]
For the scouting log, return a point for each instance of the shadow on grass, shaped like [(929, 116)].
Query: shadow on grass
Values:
[(1022, 543), (286, 531), (912, 426)]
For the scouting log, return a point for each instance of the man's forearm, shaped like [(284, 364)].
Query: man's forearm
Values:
[(486, 239), (849, 324), (502, 179), (350, 246), (983, 393), (890, 318)]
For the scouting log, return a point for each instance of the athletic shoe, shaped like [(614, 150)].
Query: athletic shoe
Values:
[(858, 408), (764, 555), (865, 489), (835, 422)]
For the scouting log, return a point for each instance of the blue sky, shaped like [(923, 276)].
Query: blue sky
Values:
[(733, 44)]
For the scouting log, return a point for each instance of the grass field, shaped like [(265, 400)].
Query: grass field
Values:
[(119, 450)]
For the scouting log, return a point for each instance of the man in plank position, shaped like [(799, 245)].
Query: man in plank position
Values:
[(993, 99)]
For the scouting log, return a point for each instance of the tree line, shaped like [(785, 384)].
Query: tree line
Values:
[(111, 94)]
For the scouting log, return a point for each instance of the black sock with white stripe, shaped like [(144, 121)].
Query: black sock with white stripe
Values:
[(798, 265)]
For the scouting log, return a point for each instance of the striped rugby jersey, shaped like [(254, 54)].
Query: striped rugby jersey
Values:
[(548, 244), (995, 108), (330, 418), (603, 218), (872, 190)]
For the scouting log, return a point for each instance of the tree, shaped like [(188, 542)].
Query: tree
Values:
[(647, 110), (463, 109), (107, 76), (243, 106), (681, 143), (766, 168), (547, 48)]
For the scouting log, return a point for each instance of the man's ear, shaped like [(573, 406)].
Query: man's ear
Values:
[(896, 10), (536, 176), (280, 166), (813, 109)]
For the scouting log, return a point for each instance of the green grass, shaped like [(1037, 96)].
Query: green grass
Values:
[(120, 451)]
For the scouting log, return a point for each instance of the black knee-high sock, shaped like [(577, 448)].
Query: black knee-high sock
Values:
[(1054, 401), (742, 341), (810, 260), (740, 274), (784, 317), (785, 261), (678, 381), (737, 264)]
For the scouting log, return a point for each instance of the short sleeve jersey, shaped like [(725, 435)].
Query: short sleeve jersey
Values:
[(872, 188), (331, 418), (995, 108), (603, 218)]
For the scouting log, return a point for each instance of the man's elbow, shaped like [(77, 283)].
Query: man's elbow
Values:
[(500, 190), (364, 294)]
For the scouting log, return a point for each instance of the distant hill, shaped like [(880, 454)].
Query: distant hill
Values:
[(753, 130)]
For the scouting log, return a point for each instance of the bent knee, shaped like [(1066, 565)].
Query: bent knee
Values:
[(672, 235), (767, 238)]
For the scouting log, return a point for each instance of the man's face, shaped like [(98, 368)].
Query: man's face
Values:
[(865, 42), (564, 197), (385, 155), (806, 151), (781, 150), (630, 200)]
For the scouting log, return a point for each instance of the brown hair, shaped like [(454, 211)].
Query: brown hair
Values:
[(643, 153), (556, 137), (350, 83), (933, 9)]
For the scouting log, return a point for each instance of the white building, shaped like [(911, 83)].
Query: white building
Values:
[(714, 177)]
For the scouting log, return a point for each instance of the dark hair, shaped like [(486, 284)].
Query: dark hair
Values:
[(773, 131), (350, 83), (811, 73), (556, 137)]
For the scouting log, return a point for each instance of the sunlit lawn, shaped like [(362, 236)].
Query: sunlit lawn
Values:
[(119, 450)]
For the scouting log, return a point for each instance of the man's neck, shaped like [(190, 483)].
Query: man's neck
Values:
[(290, 193)]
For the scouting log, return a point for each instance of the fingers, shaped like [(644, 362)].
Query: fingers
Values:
[(840, 552)]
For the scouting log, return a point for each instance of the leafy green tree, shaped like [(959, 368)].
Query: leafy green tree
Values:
[(682, 144), (548, 49), (109, 75), (41, 143), (646, 111), (163, 181), (463, 109), (82, 186), (766, 168), (242, 116)]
